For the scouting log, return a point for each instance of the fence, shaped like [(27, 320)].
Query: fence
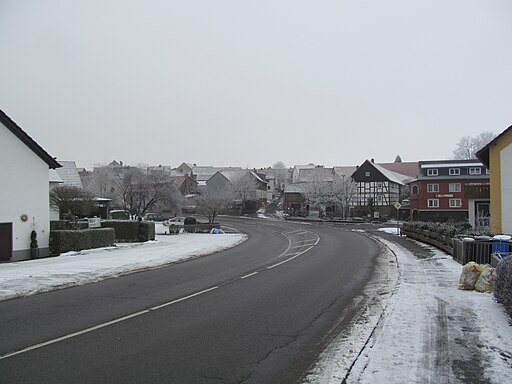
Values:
[(481, 252)]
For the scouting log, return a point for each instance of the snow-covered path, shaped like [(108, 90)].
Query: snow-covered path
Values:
[(429, 331)]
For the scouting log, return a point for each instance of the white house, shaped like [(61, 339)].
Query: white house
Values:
[(24, 192)]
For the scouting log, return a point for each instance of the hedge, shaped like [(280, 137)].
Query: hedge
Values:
[(61, 225), (201, 227), (130, 230), (78, 240), (503, 287)]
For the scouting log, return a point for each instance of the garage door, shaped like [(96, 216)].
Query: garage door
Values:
[(5, 241)]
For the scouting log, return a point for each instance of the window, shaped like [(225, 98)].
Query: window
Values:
[(454, 187), (415, 190), (455, 203), (487, 171), (475, 171), (432, 188), (367, 174), (432, 172), (379, 185), (433, 203), (454, 171)]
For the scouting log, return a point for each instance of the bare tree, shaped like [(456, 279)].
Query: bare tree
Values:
[(318, 189), (242, 187), (468, 146), (71, 200), (212, 202), (343, 190), (139, 192)]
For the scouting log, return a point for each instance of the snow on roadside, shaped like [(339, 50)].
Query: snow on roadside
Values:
[(77, 268), (429, 329)]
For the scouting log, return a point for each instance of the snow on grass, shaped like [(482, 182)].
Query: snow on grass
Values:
[(392, 231), (77, 268)]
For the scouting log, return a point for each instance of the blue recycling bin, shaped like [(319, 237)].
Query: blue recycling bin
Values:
[(501, 244)]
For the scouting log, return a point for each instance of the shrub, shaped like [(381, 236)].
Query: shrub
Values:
[(190, 220), (503, 289), (131, 230), (126, 230), (201, 227), (78, 240)]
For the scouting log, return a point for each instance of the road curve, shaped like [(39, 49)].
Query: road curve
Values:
[(257, 313)]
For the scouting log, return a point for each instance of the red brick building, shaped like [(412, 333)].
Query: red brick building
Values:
[(439, 192)]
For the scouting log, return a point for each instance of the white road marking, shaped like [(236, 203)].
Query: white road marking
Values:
[(103, 325), (249, 275), (289, 259), (160, 306)]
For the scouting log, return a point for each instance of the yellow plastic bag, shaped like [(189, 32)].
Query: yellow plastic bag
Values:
[(470, 274), (485, 282)]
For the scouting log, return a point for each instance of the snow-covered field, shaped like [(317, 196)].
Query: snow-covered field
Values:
[(76, 268)]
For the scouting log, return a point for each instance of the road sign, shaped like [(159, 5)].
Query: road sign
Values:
[(398, 205)]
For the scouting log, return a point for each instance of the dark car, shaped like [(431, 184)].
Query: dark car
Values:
[(153, 217)]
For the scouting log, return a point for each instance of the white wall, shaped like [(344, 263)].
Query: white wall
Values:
[(506, 189), (24, 189)]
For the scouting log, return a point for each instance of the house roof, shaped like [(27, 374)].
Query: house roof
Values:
[(483, 154), (27, 140), (345, 170), (408, 168), (54, 176), (69, 174), (294, 188)]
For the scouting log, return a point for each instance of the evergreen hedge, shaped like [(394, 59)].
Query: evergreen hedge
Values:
[(62, 241), (503, 287)]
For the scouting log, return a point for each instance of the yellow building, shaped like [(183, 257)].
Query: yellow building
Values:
[(497, 157)]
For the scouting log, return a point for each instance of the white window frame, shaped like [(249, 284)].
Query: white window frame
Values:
[(433, 203), (433, 188), (367, 174), (454, 187), (475, 171), (455, 203), (432, 172), (454, 172), (487, 171)]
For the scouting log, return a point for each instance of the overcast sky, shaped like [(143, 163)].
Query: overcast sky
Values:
[(250, 83)]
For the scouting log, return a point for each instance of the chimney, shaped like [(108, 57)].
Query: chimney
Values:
[(373, 160)]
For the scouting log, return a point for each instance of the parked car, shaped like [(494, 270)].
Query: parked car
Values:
[(153, 217), (175, 221), (119, 214)]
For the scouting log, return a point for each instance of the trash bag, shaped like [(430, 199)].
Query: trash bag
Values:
[(470, 274), (486, 280)]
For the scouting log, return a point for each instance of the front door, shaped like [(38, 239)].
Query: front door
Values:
[(5, 241)]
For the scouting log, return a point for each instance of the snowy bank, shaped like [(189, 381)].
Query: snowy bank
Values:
[(77, 268)]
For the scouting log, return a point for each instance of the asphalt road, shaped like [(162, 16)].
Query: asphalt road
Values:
[(257, 313)]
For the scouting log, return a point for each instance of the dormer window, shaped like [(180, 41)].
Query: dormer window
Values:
[(475, 171), (432, 172), (454, 171)]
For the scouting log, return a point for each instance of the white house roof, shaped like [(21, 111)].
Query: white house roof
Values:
[(392, 176), (69, 174), (294, 188), (54, 177), (345, 170)]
